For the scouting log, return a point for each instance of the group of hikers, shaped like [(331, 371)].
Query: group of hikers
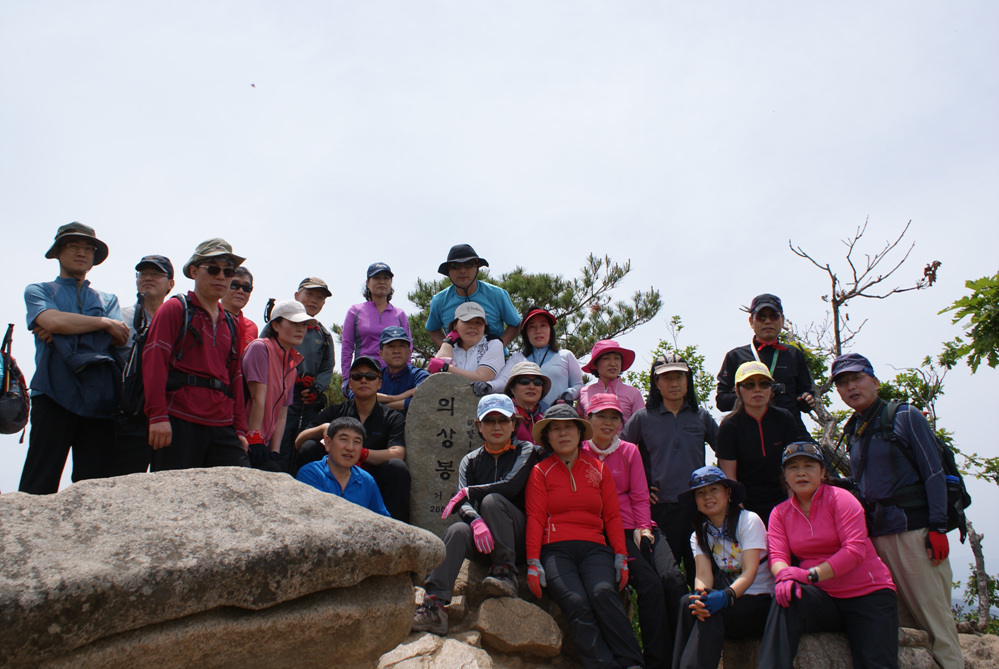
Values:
[(588, 488)]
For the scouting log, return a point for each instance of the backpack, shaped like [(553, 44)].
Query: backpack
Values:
[(15, 403), (133, 392), (914, 496)]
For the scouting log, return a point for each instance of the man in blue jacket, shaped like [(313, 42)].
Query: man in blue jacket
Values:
[(909, 537), (74, 391)]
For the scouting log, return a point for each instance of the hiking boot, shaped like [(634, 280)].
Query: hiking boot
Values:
[(501, 582), (430, 617)]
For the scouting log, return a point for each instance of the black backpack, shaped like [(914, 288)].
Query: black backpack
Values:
[(133, 393), (914, 496), (15, 403)]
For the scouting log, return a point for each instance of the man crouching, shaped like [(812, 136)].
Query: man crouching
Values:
[(490, 502)]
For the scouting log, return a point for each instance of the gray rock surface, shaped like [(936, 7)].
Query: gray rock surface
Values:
[(511, 625), (112, 556), (831, 650), (440, 431), (980, 652)]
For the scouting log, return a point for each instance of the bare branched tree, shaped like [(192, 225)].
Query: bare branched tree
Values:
[(867, 278)]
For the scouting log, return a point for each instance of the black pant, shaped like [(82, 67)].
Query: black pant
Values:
[(660, 585), (580, 576), (54, 431), (676, 522), (870, 622), (299, 417), (392, 477), (699, 642), (131, 452), (194, 445), (506, 523)]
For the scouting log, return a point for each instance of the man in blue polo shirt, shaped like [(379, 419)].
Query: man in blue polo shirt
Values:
[(74, 391), (462, 267), (337, 473), (400, 377)]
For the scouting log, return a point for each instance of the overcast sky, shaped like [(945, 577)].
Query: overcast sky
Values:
[(692, 138)]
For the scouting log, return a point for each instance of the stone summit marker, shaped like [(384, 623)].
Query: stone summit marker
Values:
[(440, 431)]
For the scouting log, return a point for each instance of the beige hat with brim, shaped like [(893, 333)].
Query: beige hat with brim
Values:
[(527, 368), (211, 248)]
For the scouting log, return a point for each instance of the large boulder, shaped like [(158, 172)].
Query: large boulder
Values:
[(831, 650), (206, 567)]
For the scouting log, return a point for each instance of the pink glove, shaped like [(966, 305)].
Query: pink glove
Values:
[(938, 544), (452, 337), (792, 574), (455, 501), (483, 537), (438, 365), (785, 590)]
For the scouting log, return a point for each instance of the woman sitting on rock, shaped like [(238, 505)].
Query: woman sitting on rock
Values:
[(828, 575), (572, 513), (490, 501), (733, 587)]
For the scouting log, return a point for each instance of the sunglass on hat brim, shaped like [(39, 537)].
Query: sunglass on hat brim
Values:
[(802, 448)]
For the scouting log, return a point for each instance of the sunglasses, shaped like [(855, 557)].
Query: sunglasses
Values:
[(367, 376), (529, 380), (753, 385), (213, 270), (802, 448), (501, 420), (245, 287), (706, 479)]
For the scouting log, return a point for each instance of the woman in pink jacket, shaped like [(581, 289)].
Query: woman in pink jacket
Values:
[(654, 573), (828, 576), (608, 360)]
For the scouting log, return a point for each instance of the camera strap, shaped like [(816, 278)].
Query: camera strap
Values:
[(756, 354)]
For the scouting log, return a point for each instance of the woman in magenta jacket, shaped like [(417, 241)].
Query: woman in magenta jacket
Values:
[(828, 576)]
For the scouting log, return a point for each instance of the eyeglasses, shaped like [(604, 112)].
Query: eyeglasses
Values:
[(76, 247), (501, 420), (367, 376), (149, 274), (213, 270), (468, 264), (530, 380), (802, 447), (767, 316), (245, 287), (706, 479), (753, 385), (848, 378)]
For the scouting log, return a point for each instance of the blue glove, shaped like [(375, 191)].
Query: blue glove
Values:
[(715, 601)]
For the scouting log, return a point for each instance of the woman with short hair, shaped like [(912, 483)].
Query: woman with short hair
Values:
[(829, 577), (363, 325)]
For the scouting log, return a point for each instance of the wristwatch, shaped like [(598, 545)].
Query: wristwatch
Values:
[(813, 575)]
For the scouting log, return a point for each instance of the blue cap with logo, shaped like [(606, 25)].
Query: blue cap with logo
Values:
[(851, 362), (378, 268), (393, 333), (495, 402)]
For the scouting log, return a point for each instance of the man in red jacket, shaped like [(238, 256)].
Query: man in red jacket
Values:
[(190, 370)]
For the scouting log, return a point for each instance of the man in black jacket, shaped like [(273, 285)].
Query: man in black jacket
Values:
[(793, 388)]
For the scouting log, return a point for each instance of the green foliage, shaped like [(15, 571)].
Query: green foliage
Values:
[(334, 394), (970, 614), (982, 308), (704, 383), (583, 305)]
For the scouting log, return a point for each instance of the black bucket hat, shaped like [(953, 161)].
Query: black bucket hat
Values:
[(461, 253), (80, 231)]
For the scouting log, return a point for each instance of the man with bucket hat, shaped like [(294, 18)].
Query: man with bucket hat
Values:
[(191, 372), (74, 391), (462, 268)]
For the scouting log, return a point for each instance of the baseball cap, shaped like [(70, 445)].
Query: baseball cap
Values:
[(160, 262), (851, 362), (751, 368), (466, 311), (495, 402), (315, 282), (766, 301), (670, 363), (393, 333), (291, 310), (378, 268)]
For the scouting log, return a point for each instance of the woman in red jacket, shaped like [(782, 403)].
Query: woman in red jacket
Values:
[(572, 511)]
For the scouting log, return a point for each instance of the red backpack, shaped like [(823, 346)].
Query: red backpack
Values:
[(14, 401)]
